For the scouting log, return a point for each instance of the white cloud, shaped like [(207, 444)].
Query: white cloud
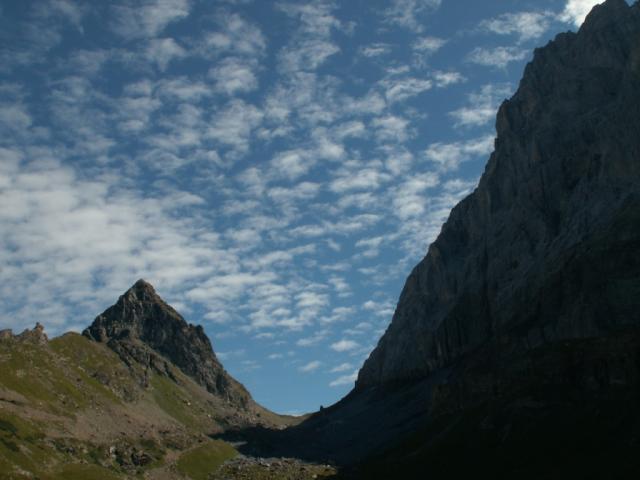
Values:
[(235, 35), (313, 339), (526, 25), (409, 198), (370, 246), (575, 11), (345, 379), (498, 57), (361, 179), (343, 367), (398, 90), (147, 19), (375, 50), (391, 128), (428, 45), (482, 105), (449, 156), (79, 230), (311, 366), (444, 79), (344, 345), (233, 75), (233, 126), (408, 13), (291, 164), (312, 44), (162, 51)]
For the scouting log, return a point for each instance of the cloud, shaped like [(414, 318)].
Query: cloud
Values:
[(310, 367), (345, 379), (428, 45), (147, 19), (313, 339), (234, 75), (235, 35), (444, 79), (232, 127), (449, 156), (162, 51), (344, 345), (341, 368), (498, 57), (83, 229), (291, 164), (482, 105), (391, 128), (526, 25), (371, 246), (361, 179), (375, 50), (398, 90), (575, 11), (408, 197), (408, 13), (312, 44)]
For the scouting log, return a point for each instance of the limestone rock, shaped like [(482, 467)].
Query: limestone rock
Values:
[(547, 248), (144, 330), (35, 335)]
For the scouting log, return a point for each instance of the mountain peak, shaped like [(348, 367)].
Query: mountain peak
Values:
[(513, 262), (141, 327)]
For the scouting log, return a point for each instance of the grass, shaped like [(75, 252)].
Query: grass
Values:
[(171, 398), (83, 472), (198, 463), (22, 445)]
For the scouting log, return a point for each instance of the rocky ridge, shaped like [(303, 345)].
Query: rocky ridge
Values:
[(546, 248), (144, 330)]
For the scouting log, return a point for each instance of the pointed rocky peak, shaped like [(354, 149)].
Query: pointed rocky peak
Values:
[(605, 13), (141, 327)]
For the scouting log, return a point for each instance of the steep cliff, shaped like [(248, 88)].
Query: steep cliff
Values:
[(145, 331), (547, 247)]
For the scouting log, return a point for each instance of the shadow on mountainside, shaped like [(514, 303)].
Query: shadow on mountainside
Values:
[(565, 410)]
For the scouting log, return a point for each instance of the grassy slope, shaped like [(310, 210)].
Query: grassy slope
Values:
[(65, 405)]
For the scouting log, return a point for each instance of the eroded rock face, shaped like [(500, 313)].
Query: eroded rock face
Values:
[(547, 248), (145, 330)]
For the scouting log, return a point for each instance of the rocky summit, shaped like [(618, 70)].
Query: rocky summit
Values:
[(144, 330)]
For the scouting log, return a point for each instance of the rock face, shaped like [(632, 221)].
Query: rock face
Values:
[(547, 248), (145, 331), (35, 335)]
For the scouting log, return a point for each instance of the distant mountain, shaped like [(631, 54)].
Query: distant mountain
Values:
[(514, 350), (138, 396), (144, 330)]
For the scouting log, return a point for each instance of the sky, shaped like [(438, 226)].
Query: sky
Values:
[(274, 168)]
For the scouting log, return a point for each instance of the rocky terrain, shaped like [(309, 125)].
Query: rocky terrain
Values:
[(146, 332), (139, 395)]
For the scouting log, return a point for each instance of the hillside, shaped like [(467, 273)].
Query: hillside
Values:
[(72, 407)]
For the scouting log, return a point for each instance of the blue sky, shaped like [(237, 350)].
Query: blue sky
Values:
[(275, 169)]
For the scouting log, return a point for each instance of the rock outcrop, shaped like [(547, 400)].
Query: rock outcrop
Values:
[(547, 248), (145, 331)]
